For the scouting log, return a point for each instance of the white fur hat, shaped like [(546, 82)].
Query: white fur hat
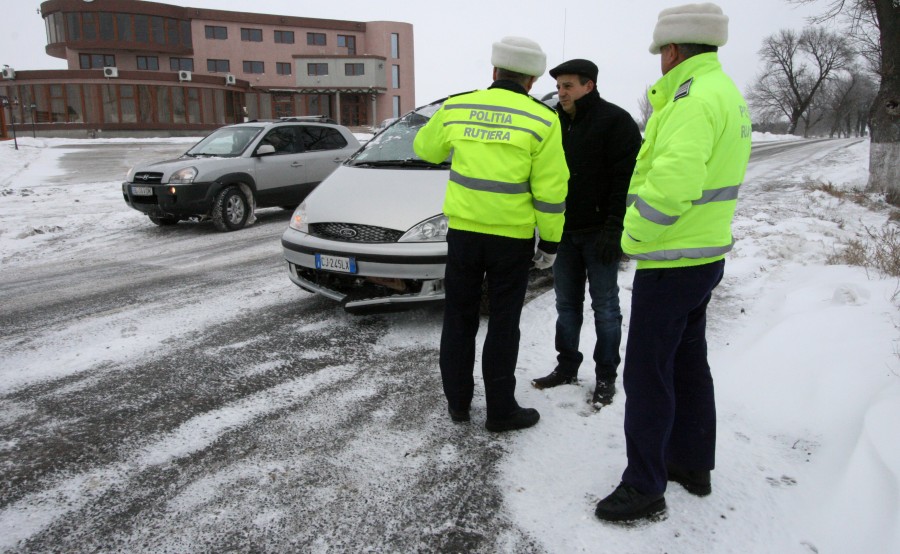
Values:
[(519, 54), (690, 24)]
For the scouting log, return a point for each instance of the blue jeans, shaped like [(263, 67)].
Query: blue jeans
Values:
[(577, 261)]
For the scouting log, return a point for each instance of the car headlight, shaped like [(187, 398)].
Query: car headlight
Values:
[(129, 177), (298, 220), (183, 176), (431, 230)]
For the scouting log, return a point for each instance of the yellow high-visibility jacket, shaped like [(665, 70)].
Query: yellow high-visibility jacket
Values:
[(684, 189), (508, 171)]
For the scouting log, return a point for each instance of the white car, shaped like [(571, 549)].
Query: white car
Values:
[(372, 235)]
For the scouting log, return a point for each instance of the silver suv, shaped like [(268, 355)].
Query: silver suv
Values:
[(238, 168)]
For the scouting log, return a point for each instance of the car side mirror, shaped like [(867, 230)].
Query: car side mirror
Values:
[(265, 150)]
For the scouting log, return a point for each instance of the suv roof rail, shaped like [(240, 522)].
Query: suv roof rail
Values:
[(318, 118)]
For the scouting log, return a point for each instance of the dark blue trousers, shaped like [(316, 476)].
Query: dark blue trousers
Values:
[(505, 261), (670, 408)]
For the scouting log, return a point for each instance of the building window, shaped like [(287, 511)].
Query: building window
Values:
[(251, 35), (395, 76), (395, 108), (179, 64), (96, 61), (142, 29), (57, 104), (348, 42), (158, 29), (73, 27), (395, 45), (148, 63), (283, 68), (283, 106), (315, 39), (254, 67), (107, 28), (354, 69), (185, 30), (173, 34), (217, 33), (218, 66), (284, 37), (317, 69), (124, 27), (89, 26)]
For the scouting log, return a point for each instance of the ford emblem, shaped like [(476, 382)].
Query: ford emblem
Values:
[(348, 233)]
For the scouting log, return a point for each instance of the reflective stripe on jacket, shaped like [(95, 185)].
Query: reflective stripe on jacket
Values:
[(508, 172), (684, 190)]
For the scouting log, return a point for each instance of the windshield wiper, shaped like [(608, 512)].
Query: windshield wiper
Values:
[(409, 162)]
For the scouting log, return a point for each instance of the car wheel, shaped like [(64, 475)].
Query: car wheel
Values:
[(163, 221), (230, 210)]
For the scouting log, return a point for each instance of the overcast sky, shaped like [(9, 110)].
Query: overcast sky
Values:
[(453, 39)]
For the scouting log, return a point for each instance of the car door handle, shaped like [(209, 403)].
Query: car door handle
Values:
[(296, 164)]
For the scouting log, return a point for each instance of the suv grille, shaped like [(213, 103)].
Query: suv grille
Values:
[(147, 177), (349, 232)]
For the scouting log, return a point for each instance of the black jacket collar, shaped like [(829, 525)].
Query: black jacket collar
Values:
[(509, 85), (582, 106)]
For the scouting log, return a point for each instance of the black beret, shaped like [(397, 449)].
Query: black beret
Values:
[(585, 68)]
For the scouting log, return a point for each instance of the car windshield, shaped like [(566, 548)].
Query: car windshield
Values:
[(227, 142), (393, 147)]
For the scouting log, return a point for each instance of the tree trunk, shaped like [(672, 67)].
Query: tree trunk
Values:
[(793, 121), (884, 118)]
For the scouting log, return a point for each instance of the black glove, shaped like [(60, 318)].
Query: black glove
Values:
[(609, 245)]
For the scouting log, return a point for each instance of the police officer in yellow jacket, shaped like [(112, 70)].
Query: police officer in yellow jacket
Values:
[(508, 175), (681, 203)]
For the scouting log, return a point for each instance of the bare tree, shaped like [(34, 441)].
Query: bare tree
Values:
[(645, 108), (796, 67), (847, 100), (875, 24)]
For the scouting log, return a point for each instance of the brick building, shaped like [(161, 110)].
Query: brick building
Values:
[(138, 67)]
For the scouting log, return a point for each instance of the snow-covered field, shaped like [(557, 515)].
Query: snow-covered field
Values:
[(805, 357)]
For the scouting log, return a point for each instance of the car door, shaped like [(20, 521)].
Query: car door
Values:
[(326, 148), (281, 177)]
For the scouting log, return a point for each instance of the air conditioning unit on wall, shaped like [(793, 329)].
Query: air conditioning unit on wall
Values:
[(110, 72), (230, 80), (9, 73), (184, 75)]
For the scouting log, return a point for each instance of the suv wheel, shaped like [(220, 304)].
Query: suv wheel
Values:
[(163, 221), (230, 210)]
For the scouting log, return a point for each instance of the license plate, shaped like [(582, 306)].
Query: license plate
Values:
[(142, 191), (335, 263)]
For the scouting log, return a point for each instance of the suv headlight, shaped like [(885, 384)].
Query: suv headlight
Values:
[(184, 176), (298, 220), (430, 230)]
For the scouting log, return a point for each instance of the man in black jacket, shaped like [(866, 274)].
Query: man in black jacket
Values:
[(601, 141)]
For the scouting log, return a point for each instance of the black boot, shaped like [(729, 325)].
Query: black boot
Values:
[(459, 416), (555, 379), (626, 503), (604, 392), (522, 418), (696, 482)]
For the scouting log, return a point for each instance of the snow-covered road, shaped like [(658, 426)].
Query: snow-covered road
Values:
[(169, 390)]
